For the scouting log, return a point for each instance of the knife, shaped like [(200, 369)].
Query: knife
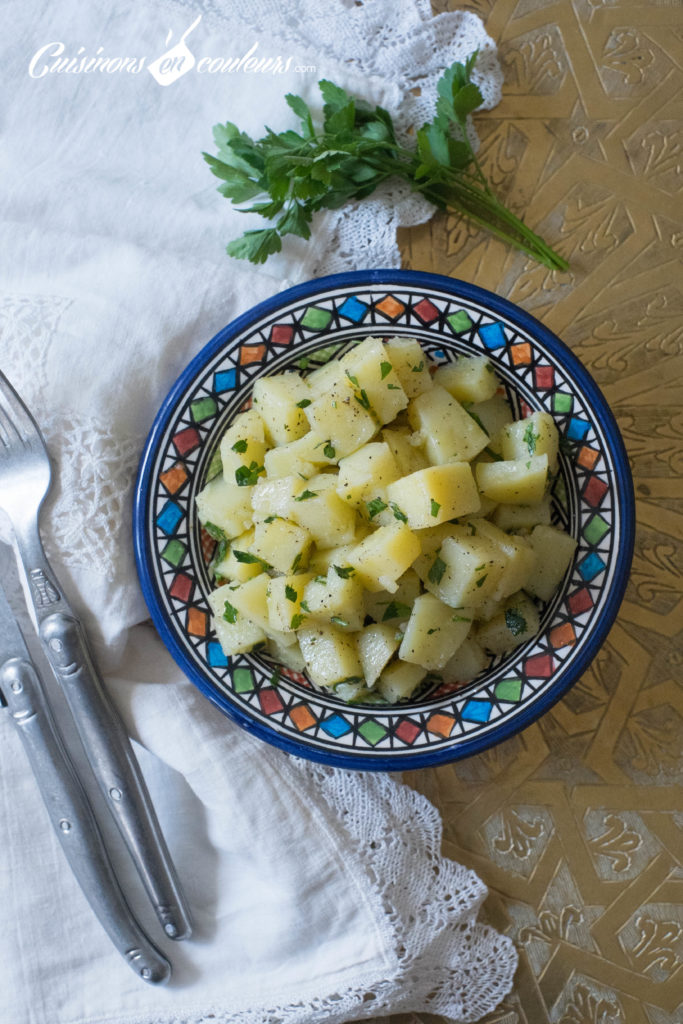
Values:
[(69, 810)]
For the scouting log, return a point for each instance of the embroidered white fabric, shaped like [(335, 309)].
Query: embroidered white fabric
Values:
[(111, 251)]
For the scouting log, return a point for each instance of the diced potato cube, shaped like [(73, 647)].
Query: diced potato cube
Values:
[(510, 628), (250, 599), (304, 456), (365, 473), (376, 645), (407, 448), (337, 415), (330, 654), (520, 558), (535, 435), (494, 415), (243, 448), (467, 662), (225, 505), (515, 481), (464, 572), (433, 496), (323, 377), (434, 633), (289, 656), (320, 510), (370, 373), (282, 544), (450, 434), (384, 556), (554, 552), (236, 633), (278, 402), (283, 598), (522, 517), (411, 365), (400, 680), (336, 598), (394, 608), (469, 379), (276, 497), (237, 564)]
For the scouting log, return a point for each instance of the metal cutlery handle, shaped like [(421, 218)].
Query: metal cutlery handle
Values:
[(74, 822), (116, 769), (102, 734)]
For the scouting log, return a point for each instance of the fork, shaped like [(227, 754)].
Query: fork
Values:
[(25, 476)]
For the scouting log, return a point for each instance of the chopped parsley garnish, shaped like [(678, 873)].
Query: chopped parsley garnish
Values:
[(246, 476), (215, 531), (494, 455), (329, 451), (396, 610), (481, 580), (435, 630), (247, 558), (515, 622), (338, 621), (230, 613), (344, 571), (398, 513), (320, 579), (354, 380), (477, 420), (296, 621), (240, 446), (271, 519), (290, 593), (530, 438), (363, 399), (435, 507), (297, 560), (219, 554), (305, 607), (385, 368), (419, 368), (375, 506), (437, 570), (303, 403), (460, 618), (305, 495)]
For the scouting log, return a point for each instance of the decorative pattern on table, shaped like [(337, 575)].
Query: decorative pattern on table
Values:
[(299, 335), (575, 824)]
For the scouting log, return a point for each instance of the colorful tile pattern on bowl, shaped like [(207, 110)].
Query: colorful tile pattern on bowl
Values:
[(302, 334)]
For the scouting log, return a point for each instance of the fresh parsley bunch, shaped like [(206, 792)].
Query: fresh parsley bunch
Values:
[(292, 175)]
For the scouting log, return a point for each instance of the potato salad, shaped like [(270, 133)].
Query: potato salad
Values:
[(383, 522)]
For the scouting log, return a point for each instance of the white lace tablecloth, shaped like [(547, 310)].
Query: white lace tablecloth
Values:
[(318, 895)]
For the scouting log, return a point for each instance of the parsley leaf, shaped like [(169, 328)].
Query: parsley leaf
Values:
[(246, 476), (305, 495), (296, 621), (435, 507), (396, 610), (385, 368), (304, 403), (435, 574), (290, 593), (338, 621), (515, 622), (240, 446), (398, 513), (375, 506), (217, 532), (230, 613), (345, 572), (530, 438), (329, 451), (248, 559)]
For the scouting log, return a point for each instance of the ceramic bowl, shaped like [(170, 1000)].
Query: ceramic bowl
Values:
[(302, 328)]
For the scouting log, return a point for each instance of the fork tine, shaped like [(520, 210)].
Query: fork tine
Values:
[(17, 415)]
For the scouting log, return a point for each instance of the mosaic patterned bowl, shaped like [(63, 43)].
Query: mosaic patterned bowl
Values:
[(302, 328)]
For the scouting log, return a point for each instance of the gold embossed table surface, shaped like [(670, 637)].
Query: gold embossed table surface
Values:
[(575, 824)]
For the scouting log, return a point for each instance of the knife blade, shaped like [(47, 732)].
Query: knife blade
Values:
[(68, 807)]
